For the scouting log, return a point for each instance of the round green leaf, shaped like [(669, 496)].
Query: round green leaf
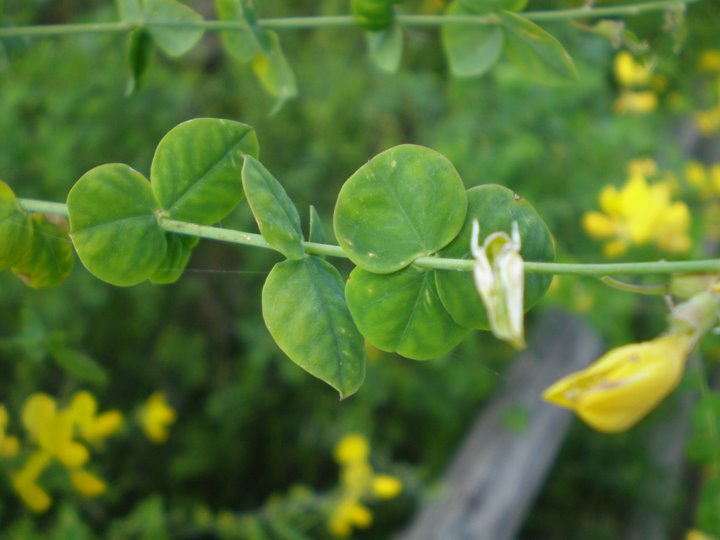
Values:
[(275, 213), (537, 54), (242, 42), (49, 259), (401, 312), (303, 304), (113, 225), (179, 249), (385, 48), (404, 203), (15, 228), (495, 207), (173, 41), (470, 49), (196, 170)]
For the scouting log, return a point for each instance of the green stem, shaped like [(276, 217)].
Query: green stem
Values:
[(336, 21), (634, 287), (438, 263)]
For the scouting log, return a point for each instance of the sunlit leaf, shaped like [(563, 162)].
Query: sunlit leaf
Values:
[(196, 170), (273, 70), (15, 228), (406, 202), (49, 258), (114, 226)]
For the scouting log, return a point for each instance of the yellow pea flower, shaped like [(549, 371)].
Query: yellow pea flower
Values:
[(351, 448), (25, 482), (637, 214), (499, 278), (624, 385), (155, 417), (385, 486), (347, 514), (708, 120), (638, 102), (630, 73), (710, 60), (53, 430), (87, 484), (9, 445), (93, 427)]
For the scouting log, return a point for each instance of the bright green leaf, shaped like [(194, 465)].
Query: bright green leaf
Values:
[(15, 228), (79, 365), (179, 249), (471, 49), (196, 170), (404, 203), (114, 226), (317, 233), (537, 54), (244, 42), (401, 312), (49, 258), (495, 207), (139, 53), (303, 304), (275, 213), (173, 41), (385, 48), (272, 69)]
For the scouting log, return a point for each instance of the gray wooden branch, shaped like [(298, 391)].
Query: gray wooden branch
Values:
[(494, 477)]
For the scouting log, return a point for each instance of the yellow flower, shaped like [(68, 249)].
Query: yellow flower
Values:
[(385, 486), (25, 482), (352, 448), (87, 484), (710, 60), (708, 121), (629, 73), (620, 388), (499, 278), (155, 417), (93, 427), (53, 430), (347, 514), (640, 102), (645, 167), (639, 214), (9, 445)]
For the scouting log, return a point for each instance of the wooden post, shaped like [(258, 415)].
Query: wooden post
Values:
[(494, 477)]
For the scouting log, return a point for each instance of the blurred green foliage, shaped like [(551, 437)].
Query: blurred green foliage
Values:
[(250, 423)]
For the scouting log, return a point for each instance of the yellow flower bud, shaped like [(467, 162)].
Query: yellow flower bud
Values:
[(624, 385), (87, 484), (352, 448), (155, 417)]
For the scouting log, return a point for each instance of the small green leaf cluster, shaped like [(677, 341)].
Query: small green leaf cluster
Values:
[(36, 248), (474, 49), (405, 203), (174, 28)]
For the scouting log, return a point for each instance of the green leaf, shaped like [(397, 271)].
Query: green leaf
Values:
[(49, 258), (373, 15), (317, 234), (707, 506), (471, 49), (303, 304), (173, 41), (495, 207), (179, 249), (272, 69), (129, 10), (401, 312), (244, 42), (385, 48), (114, 226), (15, 228), (140, 50), (79, 365), (196, 170), (537, 54), (275, 213), (404, 203)]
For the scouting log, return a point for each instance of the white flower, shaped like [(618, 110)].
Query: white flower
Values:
[(499, 278)]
